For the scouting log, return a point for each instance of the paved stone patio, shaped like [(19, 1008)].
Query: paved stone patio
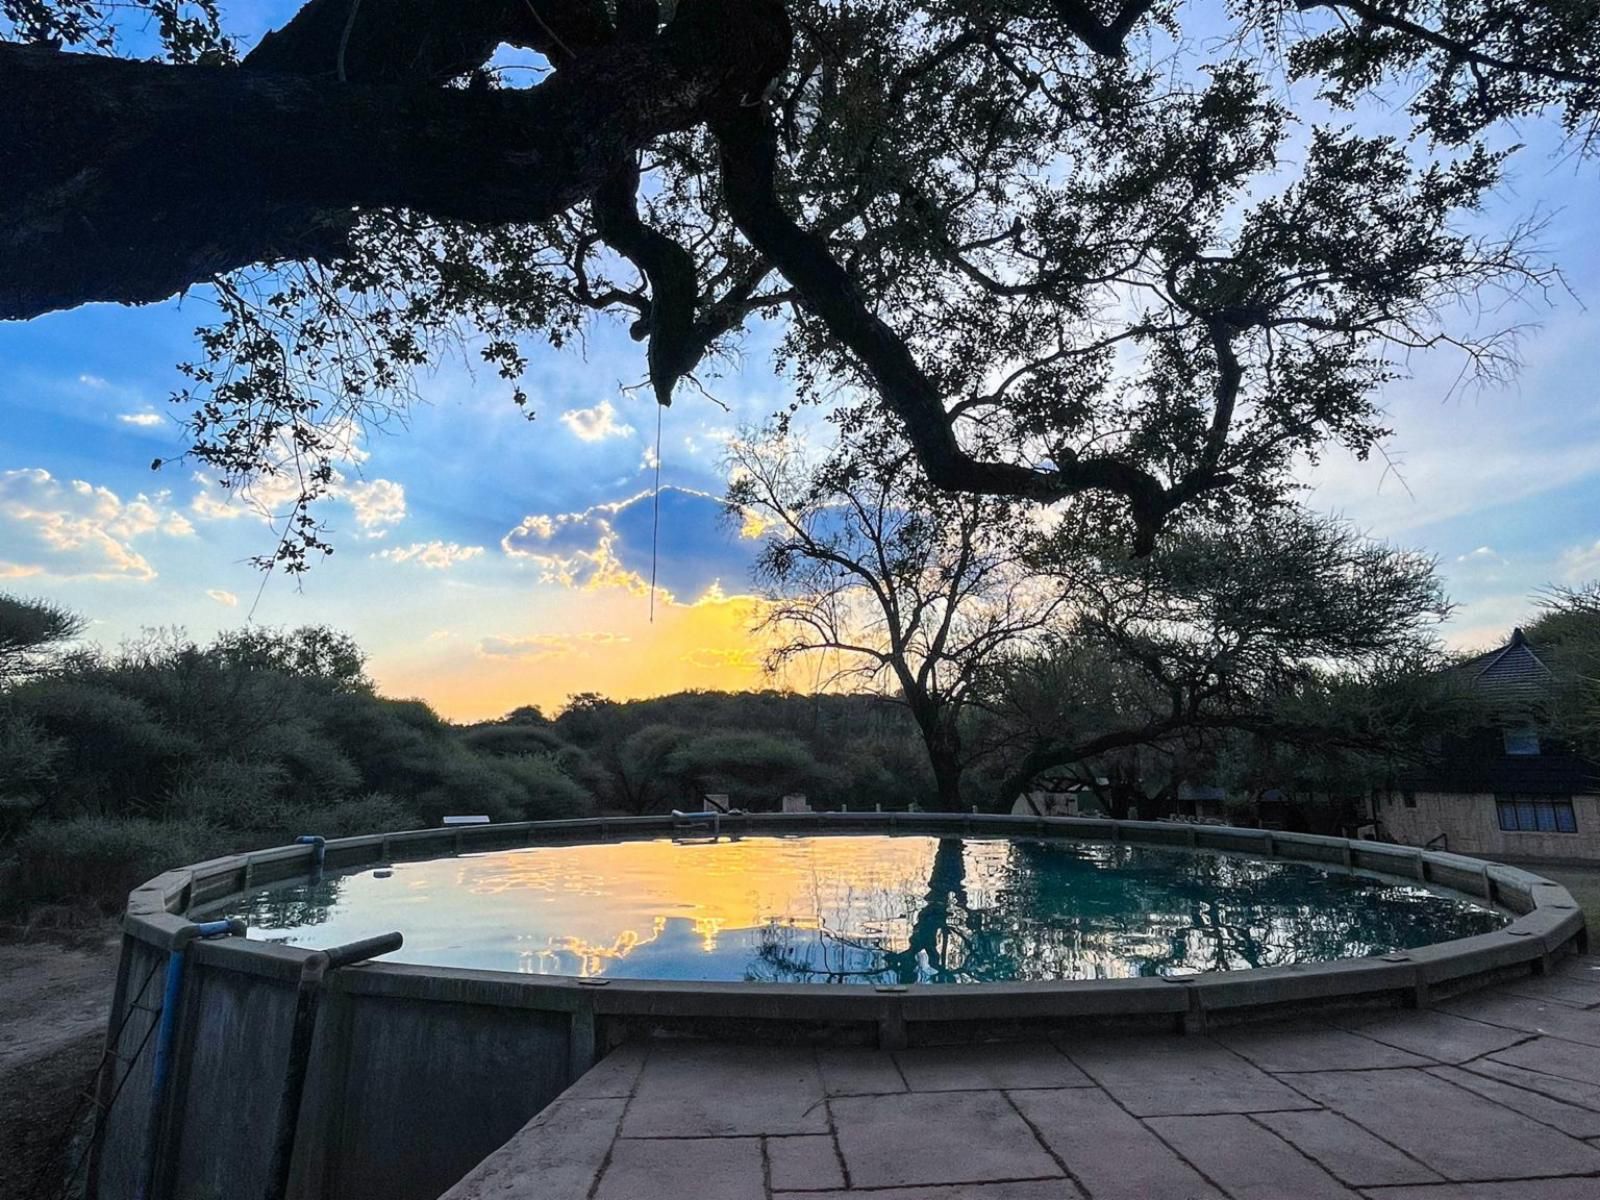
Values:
[(1489, 1096)]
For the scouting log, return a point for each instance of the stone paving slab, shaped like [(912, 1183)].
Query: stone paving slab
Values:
[(1435, 1035), (994, 1065), (1251, 1162), (804, 1163), (936, 1137), (700, 1090), (1015, 1190), (1496, 1099), (859, 1072), (705, 1168), (1173, 1076), (1564, 989), (1511, 1189), (1346, 1150), (1458, 1133), (1110, 1153), (1307, 1047), (1552, 1056), (1571, 1119), (1529, 1015), (559, 1153)]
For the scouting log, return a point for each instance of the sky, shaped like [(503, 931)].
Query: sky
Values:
[(486, 561)]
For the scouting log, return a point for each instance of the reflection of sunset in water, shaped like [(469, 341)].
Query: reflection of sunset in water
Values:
[(863, 910)]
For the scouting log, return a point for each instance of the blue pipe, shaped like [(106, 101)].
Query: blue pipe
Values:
[(319, 852), (167, 1034)]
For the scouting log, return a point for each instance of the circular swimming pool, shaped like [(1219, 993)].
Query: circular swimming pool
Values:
[(886, 929), (865, 909)]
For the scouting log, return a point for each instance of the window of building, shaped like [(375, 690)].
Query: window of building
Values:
[(1525, 814), (1523, 742)]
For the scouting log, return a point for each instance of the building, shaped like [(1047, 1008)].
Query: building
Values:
[(1507, 790)]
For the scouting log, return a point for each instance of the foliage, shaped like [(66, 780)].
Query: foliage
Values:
[(31, 631), (1478, 62), (754, 765), (1063, 248), (1566, 635), (253, 739), (882, 581), (189, 31), (1292, 631), (101, 859)]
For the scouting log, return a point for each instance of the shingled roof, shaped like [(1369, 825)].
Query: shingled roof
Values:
[(1513, 677)]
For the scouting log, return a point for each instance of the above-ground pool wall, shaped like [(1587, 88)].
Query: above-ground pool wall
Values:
[(417, 1073), (407, 1093)]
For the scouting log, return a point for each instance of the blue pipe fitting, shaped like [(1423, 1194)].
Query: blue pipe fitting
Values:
[(319, 852), (167, 1035)]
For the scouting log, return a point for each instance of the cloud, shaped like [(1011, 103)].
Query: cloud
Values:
[(1581, 564), (708, 658), (145, 420), (76, 530), (378, 504), (545, 645), (266, 498), (610, 545), (226, 599), (595, 424), (94, 382), (435, 555)]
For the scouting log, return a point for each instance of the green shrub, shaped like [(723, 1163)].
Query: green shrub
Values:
[(372, 813), (544, 790), (101, 859)]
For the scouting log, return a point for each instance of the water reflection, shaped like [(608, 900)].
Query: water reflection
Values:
[(869, 910)]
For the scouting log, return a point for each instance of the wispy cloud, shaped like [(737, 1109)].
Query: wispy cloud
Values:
[(226, 599), (545, 645), (435, 555), (1581, 564), (144, 420)]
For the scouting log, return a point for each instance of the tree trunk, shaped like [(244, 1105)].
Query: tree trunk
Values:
[(947, 781)]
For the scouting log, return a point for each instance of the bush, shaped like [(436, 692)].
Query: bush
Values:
[(546, 791), (102, 859), (372, 813)]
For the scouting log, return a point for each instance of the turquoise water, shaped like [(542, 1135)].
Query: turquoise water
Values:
[(867, 910)]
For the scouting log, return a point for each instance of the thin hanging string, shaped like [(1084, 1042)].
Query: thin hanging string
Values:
[(655, 526)]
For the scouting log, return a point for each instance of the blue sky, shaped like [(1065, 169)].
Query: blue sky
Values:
[(486, 560)]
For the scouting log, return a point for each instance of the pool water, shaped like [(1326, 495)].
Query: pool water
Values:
[(863, 910)]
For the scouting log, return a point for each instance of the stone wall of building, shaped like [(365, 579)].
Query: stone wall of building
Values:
[(1471, 825)]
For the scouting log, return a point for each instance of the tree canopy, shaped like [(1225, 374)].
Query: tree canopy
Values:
[(1069, 248)]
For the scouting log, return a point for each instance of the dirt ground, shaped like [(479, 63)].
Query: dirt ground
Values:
[(53, 1000)]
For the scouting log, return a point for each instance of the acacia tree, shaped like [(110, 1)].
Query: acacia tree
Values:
[(1063, 253), (882, 580), (1293, 630), (32, 633), (1566, 633)]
